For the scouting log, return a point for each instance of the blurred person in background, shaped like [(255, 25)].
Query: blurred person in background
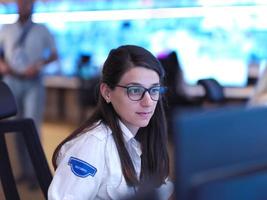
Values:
[(26, 48), (124, 143), (259, 95)]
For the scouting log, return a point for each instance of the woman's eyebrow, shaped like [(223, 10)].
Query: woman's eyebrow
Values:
[(133, 84), (139, 84)]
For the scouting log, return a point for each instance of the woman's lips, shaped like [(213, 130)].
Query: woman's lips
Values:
[(144, 114)]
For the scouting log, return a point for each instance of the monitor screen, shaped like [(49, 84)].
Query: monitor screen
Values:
[(207, 44), (209, 141), (206, 47)]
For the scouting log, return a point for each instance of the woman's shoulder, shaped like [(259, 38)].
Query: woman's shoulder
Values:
[(99, 131), (94, 136), (94, 139)]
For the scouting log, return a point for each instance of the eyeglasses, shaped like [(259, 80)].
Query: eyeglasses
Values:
[(136, 93)]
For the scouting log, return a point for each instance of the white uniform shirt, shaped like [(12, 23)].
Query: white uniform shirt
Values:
[(89, 167)]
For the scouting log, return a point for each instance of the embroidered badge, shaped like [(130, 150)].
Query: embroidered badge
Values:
[(81, 168)]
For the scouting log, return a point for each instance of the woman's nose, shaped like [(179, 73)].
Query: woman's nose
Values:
[(146, 100)]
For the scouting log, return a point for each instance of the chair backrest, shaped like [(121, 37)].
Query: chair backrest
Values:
[(174, 79), (27, 128), (213, 90), (8, 106)]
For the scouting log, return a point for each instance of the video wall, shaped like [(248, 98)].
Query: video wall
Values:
[(219, 42)]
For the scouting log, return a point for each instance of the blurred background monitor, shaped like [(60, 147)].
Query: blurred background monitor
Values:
[(221, 154), (207, 44)]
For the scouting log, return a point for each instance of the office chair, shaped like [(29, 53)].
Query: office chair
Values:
[(88, 82), (175, 96), (27, 128), (174, 81), (213, 90), (7, 102)]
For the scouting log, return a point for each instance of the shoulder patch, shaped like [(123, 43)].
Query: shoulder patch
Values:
[(81, 168)]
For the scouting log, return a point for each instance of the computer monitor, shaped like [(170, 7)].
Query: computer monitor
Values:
[(240, 187), (219, 145)]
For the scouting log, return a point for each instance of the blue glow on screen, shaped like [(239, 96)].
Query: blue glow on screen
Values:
[(219, 52), (213, 45)]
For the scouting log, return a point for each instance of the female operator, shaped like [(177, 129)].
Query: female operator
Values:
[(124, 142)]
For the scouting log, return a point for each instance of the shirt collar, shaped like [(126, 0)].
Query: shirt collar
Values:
[(129, 138), (127, 134)]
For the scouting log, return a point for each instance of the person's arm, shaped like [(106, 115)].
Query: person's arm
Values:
[(36, 67), (259, 96), (50, 45), (166, 191), (80, 170), (5, 68)]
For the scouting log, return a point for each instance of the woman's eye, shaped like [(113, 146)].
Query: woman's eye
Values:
[(135, 90), (155, 90)]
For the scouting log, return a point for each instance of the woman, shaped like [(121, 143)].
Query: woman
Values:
[(124, 142)]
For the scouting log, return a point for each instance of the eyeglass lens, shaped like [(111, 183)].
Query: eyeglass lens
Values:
[(137, 92)]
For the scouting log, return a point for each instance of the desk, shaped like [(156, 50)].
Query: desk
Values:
[(62, 82), (72, 83), (62, 98), (63, 93), (230, 92)]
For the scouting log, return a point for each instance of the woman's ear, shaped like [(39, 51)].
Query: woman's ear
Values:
[(105, 92)]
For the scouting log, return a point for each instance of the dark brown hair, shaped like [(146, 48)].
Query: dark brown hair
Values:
[(153, 138)]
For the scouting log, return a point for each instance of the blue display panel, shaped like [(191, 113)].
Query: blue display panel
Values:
[(208, 42)]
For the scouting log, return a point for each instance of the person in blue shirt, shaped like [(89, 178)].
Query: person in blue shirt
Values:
[(27, 47)]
